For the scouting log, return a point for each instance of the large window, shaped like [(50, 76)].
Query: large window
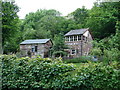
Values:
[(71, 38), (75, 38), (79, 37)]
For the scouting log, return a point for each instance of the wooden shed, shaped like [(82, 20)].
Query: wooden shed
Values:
[(79, 42), (35, 47)]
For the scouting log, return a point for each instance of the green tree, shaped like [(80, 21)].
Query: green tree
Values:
[(115, 40), (10, 26), (35, 24), (79, 15), (58, 46), (49, 21), (102, 19)]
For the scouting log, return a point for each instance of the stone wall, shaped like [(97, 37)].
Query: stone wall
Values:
[(81, 47), (42, 49)]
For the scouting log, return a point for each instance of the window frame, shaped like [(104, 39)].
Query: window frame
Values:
[(71, 38), (36, 48), (75, 38), (79, 37), (73, 51)]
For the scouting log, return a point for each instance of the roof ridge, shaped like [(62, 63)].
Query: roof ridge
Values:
[(35, 41), (76, 31)]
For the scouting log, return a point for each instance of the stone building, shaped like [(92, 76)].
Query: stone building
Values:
[(79, 42), (36, 47)]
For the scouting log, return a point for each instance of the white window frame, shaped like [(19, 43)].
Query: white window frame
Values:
[(75, 38)]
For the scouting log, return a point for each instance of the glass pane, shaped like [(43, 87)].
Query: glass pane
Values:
[(35, 48), (73, 51), (75, 38), (79, 37), (71, 38)]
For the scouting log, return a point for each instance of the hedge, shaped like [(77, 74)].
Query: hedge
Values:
[(44, 73)]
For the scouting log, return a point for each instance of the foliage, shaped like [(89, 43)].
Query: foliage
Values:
[(108, 48), (96, 51), (82, 59), (31, 73), (101, 76), (58, 46), (80, 15), (39, 73), (115, 40), (59, 53), (104, 51), (49, 21), (10, 26), (102, 19)]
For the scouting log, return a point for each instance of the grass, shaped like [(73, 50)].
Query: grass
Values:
[(82, 59)]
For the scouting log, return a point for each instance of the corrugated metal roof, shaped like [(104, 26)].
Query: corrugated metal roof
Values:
[(76, 32), (34, 41)]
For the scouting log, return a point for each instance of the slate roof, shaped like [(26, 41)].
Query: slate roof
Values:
[(76, 32), (35, 41)]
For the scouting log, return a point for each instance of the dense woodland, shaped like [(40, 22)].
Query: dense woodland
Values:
[(45, 73), (103, 20)]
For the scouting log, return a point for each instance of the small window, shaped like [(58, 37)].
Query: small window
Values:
[(86, 39), (83, 37), (73, 51), (35, 48)]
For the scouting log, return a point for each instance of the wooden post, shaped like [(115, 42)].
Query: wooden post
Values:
[(73, 38), (77, 37), (69, 38)]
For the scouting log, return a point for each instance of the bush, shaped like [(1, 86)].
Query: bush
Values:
[(39, 73), (112, 55), (102, 77), (21, 73), (82, 59)]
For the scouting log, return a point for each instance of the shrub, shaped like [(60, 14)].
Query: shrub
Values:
[(101, 77), (45, 73), (82, 59), (112, 55), (96, 52), (31, 73)]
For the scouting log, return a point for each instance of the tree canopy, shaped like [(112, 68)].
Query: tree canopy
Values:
[(101, 19), (10, 26)]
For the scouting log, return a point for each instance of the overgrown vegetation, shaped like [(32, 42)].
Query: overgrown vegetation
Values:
[(108, 48), (102, 20), (82, 59), (39, 73)]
